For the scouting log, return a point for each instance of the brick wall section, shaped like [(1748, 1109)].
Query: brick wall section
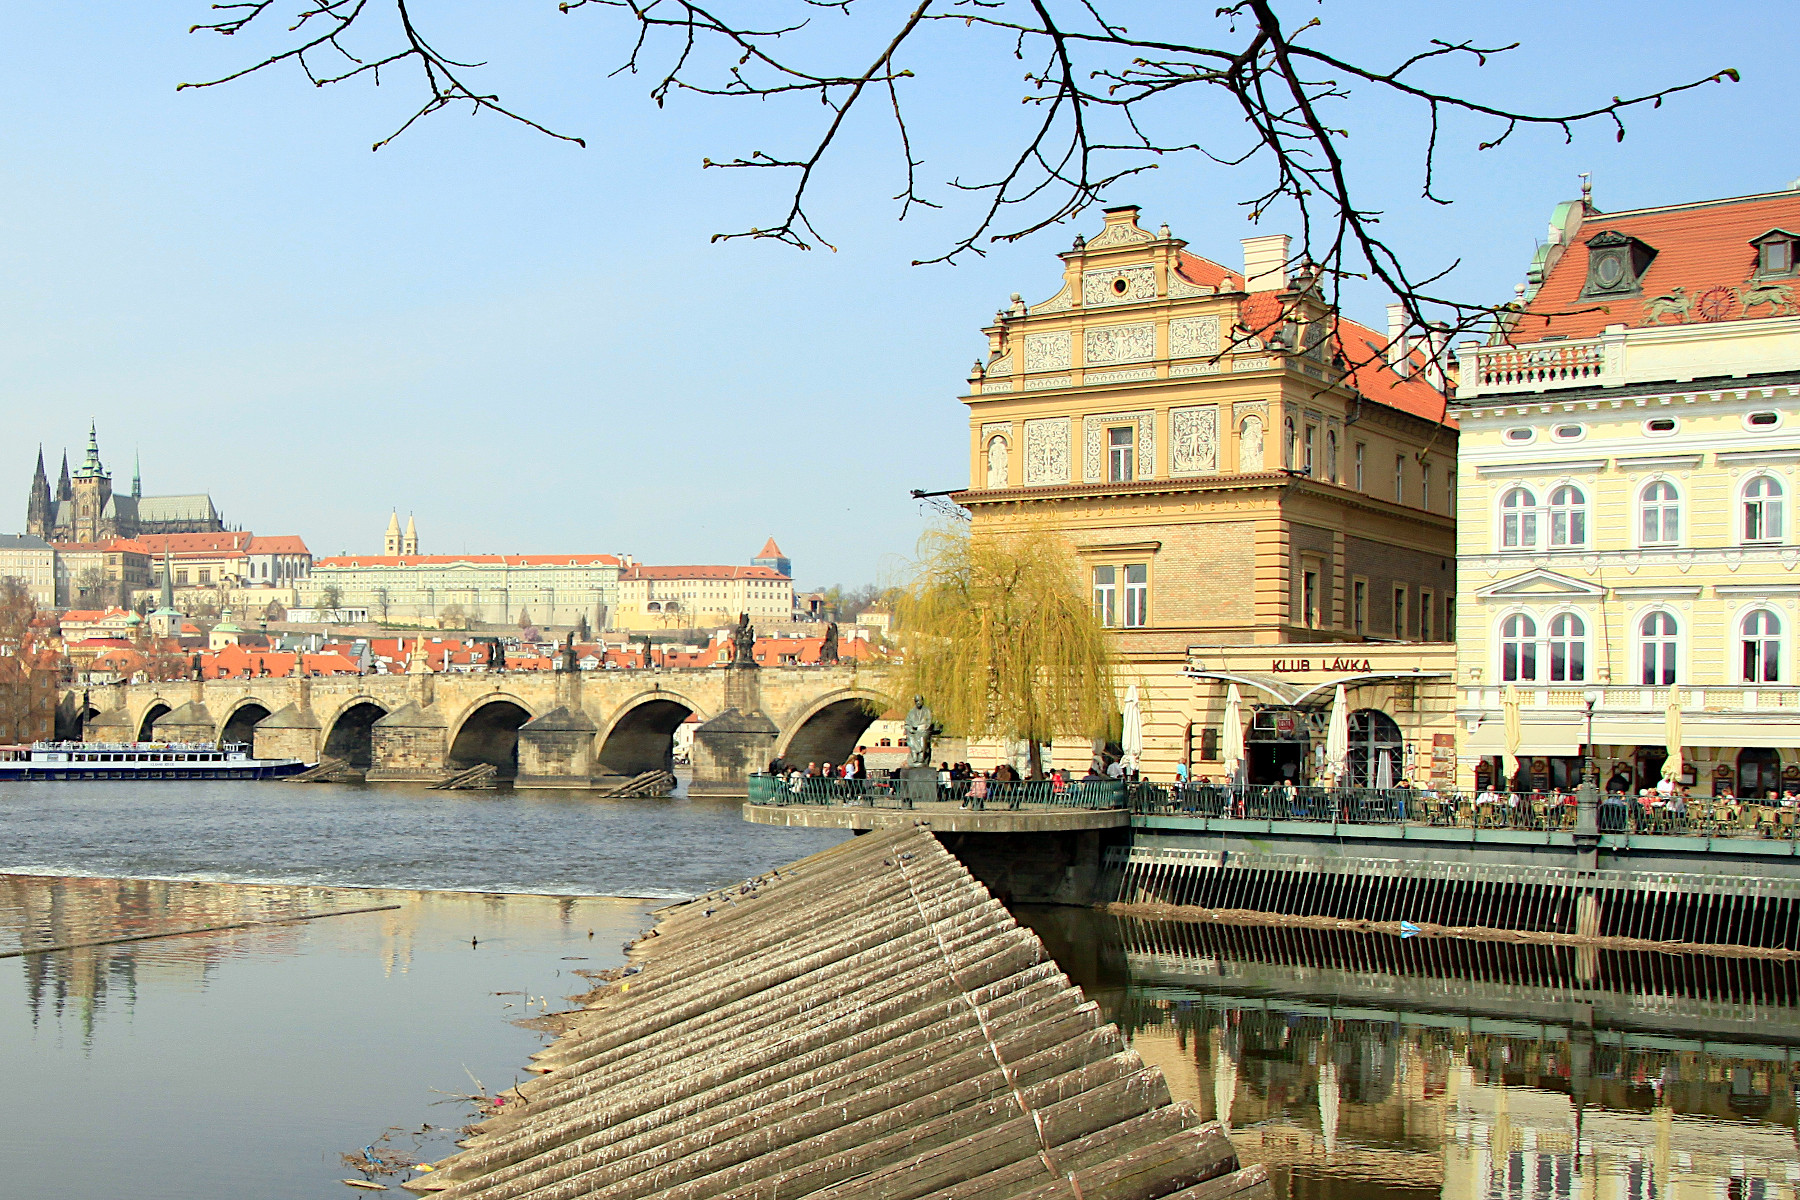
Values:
[(1202, 577), (1384, 566)]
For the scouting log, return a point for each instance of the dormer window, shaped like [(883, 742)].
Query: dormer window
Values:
[(1775, 253), (1615, 264)]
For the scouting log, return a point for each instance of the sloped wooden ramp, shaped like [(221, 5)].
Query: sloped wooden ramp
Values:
[(865, 1023)]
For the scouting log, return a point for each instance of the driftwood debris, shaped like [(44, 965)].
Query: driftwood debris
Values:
[(475, 778), (329, 770), (865, 1024)]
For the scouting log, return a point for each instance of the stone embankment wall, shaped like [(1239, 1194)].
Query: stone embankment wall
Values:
[(867, 1022)]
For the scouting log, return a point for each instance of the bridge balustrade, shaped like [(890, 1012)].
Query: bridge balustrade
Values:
[(980, 795)]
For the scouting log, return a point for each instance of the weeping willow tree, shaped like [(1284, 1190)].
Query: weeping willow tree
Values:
[(1000, 638)]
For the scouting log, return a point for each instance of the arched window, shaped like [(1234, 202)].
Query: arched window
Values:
[(1762, 510), (1518, 649), (1518, 520), (1568, 517), (1762, 647), (1376, 749), (1568, 649), (1660, 644), (1659, 514)]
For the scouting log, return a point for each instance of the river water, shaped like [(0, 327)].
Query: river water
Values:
[(244, 1062)]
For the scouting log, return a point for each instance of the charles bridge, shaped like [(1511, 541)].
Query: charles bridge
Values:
[(549, 729)]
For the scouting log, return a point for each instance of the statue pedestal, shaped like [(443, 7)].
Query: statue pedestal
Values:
[(916, 785)]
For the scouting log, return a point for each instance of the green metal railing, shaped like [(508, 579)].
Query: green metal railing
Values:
[(978, 794)]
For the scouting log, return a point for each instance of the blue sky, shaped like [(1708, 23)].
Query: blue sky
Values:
[(536, 347)]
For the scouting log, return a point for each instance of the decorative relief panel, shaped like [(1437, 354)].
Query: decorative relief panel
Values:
[(1093, 436), (1190, 337), (1061, 302), (1251, 419), (1004, 428), (1047, 351), (1000, 366), (1106, 344), (1193, 368), (1180, 288), (1118, 285), (1131, 375), (1194, 440), (1044, 383), (1047, 450), (1122, 234), (1252, 364), (994, 386)]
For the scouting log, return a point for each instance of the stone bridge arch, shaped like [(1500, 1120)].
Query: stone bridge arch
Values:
[(829, 728), (144, 725), (240, 722), (349, 733), (640, 736), (487, 731)]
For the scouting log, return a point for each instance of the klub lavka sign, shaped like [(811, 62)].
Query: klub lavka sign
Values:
[(1295, 666)]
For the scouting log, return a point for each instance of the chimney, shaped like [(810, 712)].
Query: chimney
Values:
[(1437, 350), (1265, 263), (1399, 347)]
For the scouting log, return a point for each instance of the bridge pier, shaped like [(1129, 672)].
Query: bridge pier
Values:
[(556, 750), (738, 742), (292, 731), (410, 745)]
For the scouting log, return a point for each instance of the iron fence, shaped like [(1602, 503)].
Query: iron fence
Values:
[(893, 791)]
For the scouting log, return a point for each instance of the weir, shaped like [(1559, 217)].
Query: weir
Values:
[(867, 1022)]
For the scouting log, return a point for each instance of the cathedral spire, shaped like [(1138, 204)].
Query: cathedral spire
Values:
[(168, 585), (65, 490), (409, 545), (137, 476), (39, 507), (390, 544)]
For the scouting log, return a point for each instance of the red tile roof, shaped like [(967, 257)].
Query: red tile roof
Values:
[(1703, 249), (640, 571), (770, 550), (285, 543), (191, 543)]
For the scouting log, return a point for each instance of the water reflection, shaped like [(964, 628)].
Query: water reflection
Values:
[(1363, 1067)]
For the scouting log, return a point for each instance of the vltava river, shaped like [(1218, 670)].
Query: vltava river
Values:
[(243, 1063)]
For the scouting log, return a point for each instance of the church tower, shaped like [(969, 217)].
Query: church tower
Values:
[(65, 490), (409, 545), (390, 543), (40, 508), (92, 489)]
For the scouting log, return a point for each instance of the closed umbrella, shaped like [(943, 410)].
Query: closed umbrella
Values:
[(1672, 765), (1384, 770), (1131, 738), (1510, 707), (1232, 752), (1337, 740)]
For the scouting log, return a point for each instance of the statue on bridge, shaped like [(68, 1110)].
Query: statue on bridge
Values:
[(568, 654), (743, 640), (919, 729), (828, 653)]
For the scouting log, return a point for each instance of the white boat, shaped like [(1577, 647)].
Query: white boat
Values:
[(140, 760)]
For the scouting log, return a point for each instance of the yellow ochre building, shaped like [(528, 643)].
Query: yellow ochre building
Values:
[(1630, 453), (1260, 491)]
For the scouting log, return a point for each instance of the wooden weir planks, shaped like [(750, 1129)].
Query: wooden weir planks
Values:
[(865, 1024)]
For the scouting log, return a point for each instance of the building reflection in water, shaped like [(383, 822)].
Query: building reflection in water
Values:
[(1359, 1069), (69, 988)]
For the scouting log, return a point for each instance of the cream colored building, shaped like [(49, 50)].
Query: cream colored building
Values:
[(697, 597), (1252, 483), (32, 562), (1630, 456), (459, 589)]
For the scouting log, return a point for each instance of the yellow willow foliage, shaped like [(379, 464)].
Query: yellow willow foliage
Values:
[(1000, 638)]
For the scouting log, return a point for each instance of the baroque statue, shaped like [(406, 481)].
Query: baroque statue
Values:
[(918, 734), (828, 653), (743, 640)]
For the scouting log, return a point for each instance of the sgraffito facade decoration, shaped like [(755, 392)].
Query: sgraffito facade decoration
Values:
[(1252, 421), (1047, 450), (1093, 436), (1104, 345), (1047, 351), (1129, 375), (1190, 337), (996, 444), (1194, 440), (1118, 285)]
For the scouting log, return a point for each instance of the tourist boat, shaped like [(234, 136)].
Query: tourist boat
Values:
[(140, 760)]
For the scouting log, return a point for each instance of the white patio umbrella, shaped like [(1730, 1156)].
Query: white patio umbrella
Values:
[(1509, 707), (1232, 750), (1131, 738), (1672, 766), (1337, 740)]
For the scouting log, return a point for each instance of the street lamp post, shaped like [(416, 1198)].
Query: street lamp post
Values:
[(1587, 796)]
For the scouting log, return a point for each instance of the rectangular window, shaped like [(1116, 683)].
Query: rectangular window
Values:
[(1309, 598), (1106, 595), (181, 577), (1449, 618), (205, 576), (1137, 594), (1400, 612), (1359, 466), (1359, 605), (1425, 488), (1119, 453), (1425, 599), (1399, 479), (1310, 449)]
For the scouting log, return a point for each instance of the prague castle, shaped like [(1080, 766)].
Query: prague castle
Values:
[(84, 508)]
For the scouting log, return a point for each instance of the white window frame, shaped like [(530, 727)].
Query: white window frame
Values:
[(1106, 594), (1526, 515), (1524, 640), (1121, 456), (1779, 500), (1572, 514), (1645, 504), (1136, 594), (1778, 638), (1578, 642), (1639, 641)]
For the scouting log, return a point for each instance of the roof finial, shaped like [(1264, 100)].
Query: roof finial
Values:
[(1587, 190)]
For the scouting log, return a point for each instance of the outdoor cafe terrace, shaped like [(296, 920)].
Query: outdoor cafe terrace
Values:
[(1210, 805)]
